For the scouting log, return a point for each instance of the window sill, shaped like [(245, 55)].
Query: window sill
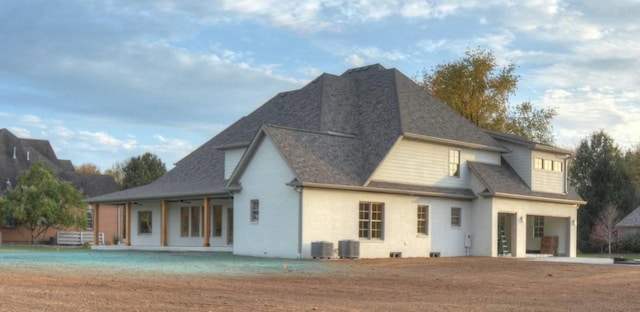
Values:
[(371, 240)]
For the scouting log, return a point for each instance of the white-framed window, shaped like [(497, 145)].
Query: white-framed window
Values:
[(454, 163), (255, 211), (217, 221), (190, 221), (423, 220), (557, 166), (456, 217), (90, 218), (548, 164), (371, 220), (538, 226), (144, 222)]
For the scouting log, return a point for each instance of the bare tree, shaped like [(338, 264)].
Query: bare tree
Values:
[(604, 229)]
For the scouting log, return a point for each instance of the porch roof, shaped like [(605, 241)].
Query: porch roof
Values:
[(631, 220), (502, 180)]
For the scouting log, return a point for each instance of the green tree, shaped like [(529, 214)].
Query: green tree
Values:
[(40, 202), (142, 170), (632, 160), (476, 88), (600, 177)]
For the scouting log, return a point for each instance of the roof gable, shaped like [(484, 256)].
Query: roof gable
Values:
[(631, 220)]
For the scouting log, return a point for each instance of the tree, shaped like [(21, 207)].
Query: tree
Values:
[(600, 177), (88, 168), (479, 91), (40, 201), (604, 230), (632, 160), (117, 172), (142, 170)]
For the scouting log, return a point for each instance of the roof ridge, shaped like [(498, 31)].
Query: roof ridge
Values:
[(330, 133)]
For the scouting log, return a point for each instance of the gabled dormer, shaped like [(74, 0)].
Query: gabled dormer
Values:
[(542, 167)]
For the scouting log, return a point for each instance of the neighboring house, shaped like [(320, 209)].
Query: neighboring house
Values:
[(630, 224), (17, 154), (367, 156)]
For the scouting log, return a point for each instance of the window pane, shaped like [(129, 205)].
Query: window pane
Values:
[(144, 222), (195, 221), (184, 221), (548, 164), (217, 221), (557, 166), (423, 212), (456, 216), (255, 210), (538, 163), (454, 163), (371, 220)]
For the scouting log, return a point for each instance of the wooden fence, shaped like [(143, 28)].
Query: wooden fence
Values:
[(78, 238)]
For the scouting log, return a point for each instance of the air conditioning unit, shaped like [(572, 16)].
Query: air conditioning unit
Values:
[(349, 249), (321, 250)]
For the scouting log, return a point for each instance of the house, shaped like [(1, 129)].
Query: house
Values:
[(17, 154), (366, 157), (630, 224)]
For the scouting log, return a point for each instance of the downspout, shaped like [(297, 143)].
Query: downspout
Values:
[(299, 190)]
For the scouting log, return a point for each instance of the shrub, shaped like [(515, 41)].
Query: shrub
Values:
[(631, 243)]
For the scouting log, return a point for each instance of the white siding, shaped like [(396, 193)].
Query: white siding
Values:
[(332, 215), (520, 160), (231, 159), (422, 163), (277, 231), (547, 180)]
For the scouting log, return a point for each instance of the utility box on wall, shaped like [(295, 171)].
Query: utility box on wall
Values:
[(321, 250)]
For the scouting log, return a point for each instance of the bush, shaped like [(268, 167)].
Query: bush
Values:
[(631, 243)]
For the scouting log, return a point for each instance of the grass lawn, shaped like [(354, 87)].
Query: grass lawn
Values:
[(39, 248)]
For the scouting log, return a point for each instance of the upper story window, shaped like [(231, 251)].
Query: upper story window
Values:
[(547, 164), (454, 163)]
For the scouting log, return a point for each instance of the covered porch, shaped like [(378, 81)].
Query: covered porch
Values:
[(534, 235), (198, 224)]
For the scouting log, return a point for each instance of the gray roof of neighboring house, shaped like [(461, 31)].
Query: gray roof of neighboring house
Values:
[(28, 151), (503, 180), (631, 220), (335, 130)]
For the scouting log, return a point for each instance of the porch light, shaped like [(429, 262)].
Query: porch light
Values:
[(573, 222), (521, 219)]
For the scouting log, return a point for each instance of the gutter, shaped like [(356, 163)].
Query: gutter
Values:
[(537, 198), (386, 190)]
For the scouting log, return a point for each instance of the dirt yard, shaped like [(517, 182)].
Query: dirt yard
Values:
[(450, 284)]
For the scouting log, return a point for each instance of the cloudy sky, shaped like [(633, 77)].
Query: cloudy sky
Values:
[(107, 80)]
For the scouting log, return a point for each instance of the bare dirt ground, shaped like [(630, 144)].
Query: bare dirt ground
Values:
[(450, 284)]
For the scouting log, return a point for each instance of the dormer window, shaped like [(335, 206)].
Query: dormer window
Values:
[(547, 164), (454, 163)]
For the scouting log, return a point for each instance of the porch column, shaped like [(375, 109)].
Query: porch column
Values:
[(163, 224), (127, 224), (521, 235), (207, 222), (96, 224)]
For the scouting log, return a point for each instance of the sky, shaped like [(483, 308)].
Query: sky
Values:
[(105, 81)]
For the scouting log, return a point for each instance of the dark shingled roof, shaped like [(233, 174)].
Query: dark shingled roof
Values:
[(503, 180), (631, 220), (335, 130), (28, 151)]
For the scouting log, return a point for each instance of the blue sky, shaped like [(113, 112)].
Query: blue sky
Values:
[(107, 80)]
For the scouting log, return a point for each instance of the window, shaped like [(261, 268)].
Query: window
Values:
[(538, 226), (89, 218), (371, 225), (557, 166), (454, 163), (538, 163), (195, 221), (217, 221), (255, 210), (144, 222), (190, 224), (456, 216), (423, 220), (547, 164)]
